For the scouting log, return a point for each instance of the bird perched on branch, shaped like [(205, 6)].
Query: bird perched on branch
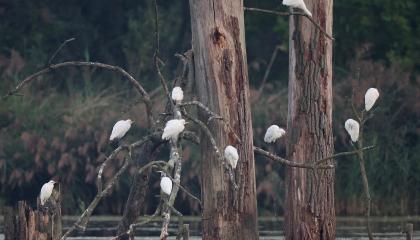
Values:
[(120, 129), (46, 191), (273, 133), (177, 94), (232, 156), (165, 183), (300, 4), (372, 94), (352, 127), (173, 128)]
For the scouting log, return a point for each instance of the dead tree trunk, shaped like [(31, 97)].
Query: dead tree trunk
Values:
[(218, 39), (309, 211), (23, 223), (137, 200)]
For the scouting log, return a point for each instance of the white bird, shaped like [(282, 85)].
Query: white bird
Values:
[(298, 4), (165, 184), (177, 94), (273, 133), (231, 155), (352, 127), (46, 191), (372, 94), (173, 128), (120, 129)]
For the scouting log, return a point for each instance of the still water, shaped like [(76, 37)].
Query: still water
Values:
[(270, 228)]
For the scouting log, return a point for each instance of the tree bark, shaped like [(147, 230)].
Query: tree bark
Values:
[(218, 39), (137, 199), (309, 211)]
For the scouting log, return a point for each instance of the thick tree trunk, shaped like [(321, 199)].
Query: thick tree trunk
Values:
[(309, 212), (218, 39)]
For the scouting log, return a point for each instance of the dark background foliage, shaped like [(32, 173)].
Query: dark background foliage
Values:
[(60, 126)]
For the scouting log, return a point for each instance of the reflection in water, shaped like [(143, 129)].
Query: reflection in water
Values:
[(269, 228)]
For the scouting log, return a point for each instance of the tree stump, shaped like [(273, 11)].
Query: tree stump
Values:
[(409, 228), (21, 222)]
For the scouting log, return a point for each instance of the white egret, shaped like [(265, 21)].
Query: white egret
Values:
[(298, 4), (120, 129), (372, 94), (352, 127), (232, 156), (273, 133), (46, 191), (177, 94), (173, 128), (165, 183)]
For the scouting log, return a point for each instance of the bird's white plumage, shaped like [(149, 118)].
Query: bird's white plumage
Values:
[(273, 133), (166, 185), (232, 156), (120, 129), (352, 127), (173, 128), (372, 94), (298, 4), (46, 191), (177, 94)]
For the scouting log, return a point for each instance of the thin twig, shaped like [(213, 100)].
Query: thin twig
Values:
[(186, 191), (59, 49), (181, 76), (343, 154), (288, 162), (268, 70), (156, 58), (289, 14), (145, 96), (157, 27)]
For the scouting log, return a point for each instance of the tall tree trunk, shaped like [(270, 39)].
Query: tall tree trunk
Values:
[(218, 39), (310, 194)]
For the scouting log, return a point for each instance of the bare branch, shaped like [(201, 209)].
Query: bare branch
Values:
[(289, 14), (134, 225), (186, 191), (343, 154), (103, 165), (114, 153), (202, 106), (83, 220), (288, 162), (145, 96), (181, 76), (213, 115), (190, 136), (156, 58), (59, 49), (268, 70)]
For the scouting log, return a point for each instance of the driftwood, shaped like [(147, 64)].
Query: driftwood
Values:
[(44, 223)]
